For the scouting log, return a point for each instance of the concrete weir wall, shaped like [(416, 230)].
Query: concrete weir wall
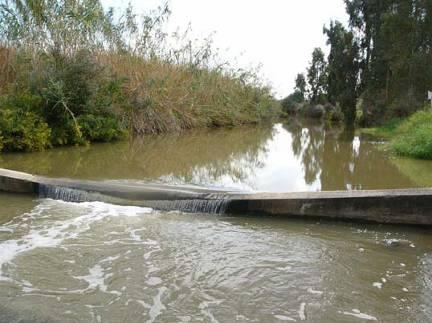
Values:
[(406, 206)]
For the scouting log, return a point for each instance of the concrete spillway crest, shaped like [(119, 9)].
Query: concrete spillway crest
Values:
[(406, 206)]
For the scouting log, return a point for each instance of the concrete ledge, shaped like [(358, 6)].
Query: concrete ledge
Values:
[(405, 206), (17, 182), (412, 206)]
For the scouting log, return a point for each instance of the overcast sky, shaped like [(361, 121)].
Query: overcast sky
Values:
[(277, 34)]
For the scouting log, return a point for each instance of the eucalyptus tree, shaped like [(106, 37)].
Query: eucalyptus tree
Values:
[(343, 69), (301, 86), (317, 76), (395, 42)]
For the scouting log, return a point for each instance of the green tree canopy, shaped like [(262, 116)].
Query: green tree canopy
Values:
[(343, 69), (301, 85), (317, 76)]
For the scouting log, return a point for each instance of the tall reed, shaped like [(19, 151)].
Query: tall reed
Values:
[(82, 67)]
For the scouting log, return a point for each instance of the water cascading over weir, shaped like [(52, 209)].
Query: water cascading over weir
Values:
[(405, 206)]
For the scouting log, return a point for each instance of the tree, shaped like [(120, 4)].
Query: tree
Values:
[(343, 69), (317, 76), (300, 85), (395, 42)]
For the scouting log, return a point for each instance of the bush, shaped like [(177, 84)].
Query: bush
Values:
[(23, 131), (64, 94), (75, 75), (102, 129), (414, 136), (292, 102), (335, 114), (22, 100)]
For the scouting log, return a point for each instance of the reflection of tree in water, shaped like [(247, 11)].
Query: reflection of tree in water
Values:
[(200, 157), (340, 161), (307, 145)]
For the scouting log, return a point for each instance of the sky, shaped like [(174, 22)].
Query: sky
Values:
[(278, 35)]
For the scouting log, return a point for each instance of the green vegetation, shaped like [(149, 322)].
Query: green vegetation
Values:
[(379, 67), (72, 73), (385, 131), (409, 137), (413, 136), (377, 72)]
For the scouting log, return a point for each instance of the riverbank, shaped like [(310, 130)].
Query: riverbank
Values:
[(60, 100), (87, 77), (410, 137)]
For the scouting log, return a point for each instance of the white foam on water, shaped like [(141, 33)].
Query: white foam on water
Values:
[(284, 318), (148, 254), (95, 278), (358, 314), (52, 234), (142, 303), (377, 285), (110, 259), (134, 236), (205, 310), (316, 292), (157, 308), (286, 269), (153, 281), (302, 311)]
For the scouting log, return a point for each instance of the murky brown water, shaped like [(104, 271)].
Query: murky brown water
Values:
[(290, 157), (96, 262)]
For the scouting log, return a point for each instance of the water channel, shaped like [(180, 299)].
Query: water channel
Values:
[(96, 262)]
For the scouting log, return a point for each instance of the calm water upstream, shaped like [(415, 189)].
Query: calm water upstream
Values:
[(96, 262)]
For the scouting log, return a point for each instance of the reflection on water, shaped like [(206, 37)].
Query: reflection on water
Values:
[(288, 157), (335, 159), (205, 157), (96, 262)]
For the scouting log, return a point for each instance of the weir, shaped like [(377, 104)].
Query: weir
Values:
[(404, 206)]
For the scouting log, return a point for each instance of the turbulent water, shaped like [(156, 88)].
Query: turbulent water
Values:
[(97, 262)]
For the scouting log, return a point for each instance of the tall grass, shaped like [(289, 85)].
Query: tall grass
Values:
[(84, 74), (174, 97), (414, 136)]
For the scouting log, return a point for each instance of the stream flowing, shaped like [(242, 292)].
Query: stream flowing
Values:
[(96, 262)]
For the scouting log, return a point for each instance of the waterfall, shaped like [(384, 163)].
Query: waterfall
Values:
[(211, 206), (62, 193)]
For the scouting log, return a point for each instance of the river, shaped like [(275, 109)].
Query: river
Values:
[(96, 262)]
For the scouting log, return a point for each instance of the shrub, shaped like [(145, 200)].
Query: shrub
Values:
[(87, 76), (414, 136), (66, 132), (22, 100), (102, 129), (335, 114), (23, 131), (291, 103)]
